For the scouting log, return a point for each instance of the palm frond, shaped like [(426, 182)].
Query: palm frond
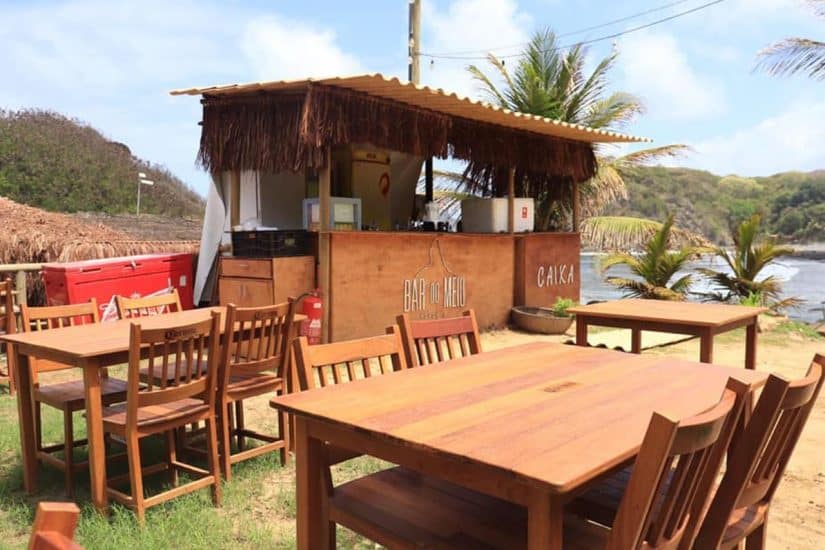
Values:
[(488, 87), (792, 56), (624, 233), (644, 156), (614, 111)]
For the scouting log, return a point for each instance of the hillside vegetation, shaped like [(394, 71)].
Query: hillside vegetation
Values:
[(50, 161), (791, 203)]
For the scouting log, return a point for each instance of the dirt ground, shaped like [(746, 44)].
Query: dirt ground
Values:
[(798, 513)]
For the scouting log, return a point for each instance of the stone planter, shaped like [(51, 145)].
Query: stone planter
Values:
[(540, 320)]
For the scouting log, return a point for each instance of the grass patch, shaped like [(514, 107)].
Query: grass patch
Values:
[(797, 327), (258, 508)]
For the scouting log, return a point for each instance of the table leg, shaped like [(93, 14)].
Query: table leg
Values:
[(25, 415), (706, 347), (581, 331), (94, 431), (635, 340), (313, 523), (545, 524), (750, 346)]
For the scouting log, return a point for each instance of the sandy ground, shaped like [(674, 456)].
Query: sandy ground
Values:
[(799, 506)]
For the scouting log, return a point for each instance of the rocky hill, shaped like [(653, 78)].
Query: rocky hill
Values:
[(59, 164), (791, 203)]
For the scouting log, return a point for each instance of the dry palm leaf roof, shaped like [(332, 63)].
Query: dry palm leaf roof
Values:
[(289, 126), (32, 235)]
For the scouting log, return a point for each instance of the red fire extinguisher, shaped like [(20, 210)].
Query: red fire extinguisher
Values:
[(313, 309)]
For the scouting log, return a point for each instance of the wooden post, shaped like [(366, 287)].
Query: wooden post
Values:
[(511, 200), (324, 207), (20, 288), (414, 44), (428, 179), (576, 206), (234, 198)]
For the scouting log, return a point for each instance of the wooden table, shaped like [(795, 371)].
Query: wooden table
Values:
[(702, 320), (90, 348), (532, 424)]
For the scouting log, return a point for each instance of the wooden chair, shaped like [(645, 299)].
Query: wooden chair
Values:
[(69, 396), (433, 341), (325, 365), (130, 308), (8, 325), (740, 507), (54, 526), (328, 364), (255, 362), (187, 397), (400, 508), (135, 308)]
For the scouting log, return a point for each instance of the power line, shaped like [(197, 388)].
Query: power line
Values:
[(571, 33), (584, 42)]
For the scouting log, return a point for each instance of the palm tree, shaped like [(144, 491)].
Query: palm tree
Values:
[(796, 55), (553, 83), (654, 268), (751, 254)]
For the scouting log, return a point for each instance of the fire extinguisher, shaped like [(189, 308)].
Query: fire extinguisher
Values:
[(313, 309)]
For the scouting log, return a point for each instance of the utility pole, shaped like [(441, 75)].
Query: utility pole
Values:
[(414, 53), (414, 43)]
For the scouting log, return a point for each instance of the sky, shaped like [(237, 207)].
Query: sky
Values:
[(111, 64)]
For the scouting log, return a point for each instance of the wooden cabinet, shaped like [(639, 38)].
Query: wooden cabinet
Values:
[(251, 282)]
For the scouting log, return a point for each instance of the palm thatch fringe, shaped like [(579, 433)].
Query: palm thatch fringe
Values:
[(279, 131), (84, 250)]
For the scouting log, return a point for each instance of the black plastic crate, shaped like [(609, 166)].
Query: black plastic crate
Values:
[(271, 244)]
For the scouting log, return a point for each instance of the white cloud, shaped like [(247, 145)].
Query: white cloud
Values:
[(656, 68), (790, 140), (279, 48), (111, 64), (469, 25)]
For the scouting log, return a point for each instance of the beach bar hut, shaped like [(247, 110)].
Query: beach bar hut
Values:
[(342, 156)]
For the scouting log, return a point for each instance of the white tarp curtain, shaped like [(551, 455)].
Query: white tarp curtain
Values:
[(214, 221)]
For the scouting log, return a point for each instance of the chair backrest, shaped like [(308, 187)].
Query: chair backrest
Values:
[(328, 364), (257, 340), (35, 319), (8, 324), (673, 461), (341, 362), (54, 526), (760, 456), (182, 362), (435, 340), (130, 308)]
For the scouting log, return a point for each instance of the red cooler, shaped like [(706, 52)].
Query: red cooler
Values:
[(135, 276)]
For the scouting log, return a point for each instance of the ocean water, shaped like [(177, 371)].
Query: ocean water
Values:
[(801, 278)]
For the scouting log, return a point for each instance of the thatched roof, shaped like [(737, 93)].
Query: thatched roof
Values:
[(32, 235), (287, 125)]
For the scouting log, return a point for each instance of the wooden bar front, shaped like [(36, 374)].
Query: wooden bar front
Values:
[(547, 267), (375, 276)]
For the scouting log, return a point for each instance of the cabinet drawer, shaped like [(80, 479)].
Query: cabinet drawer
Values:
[(245, 292), (241, 267)]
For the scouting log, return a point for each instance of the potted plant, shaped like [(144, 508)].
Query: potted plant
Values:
[(545, 320)]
